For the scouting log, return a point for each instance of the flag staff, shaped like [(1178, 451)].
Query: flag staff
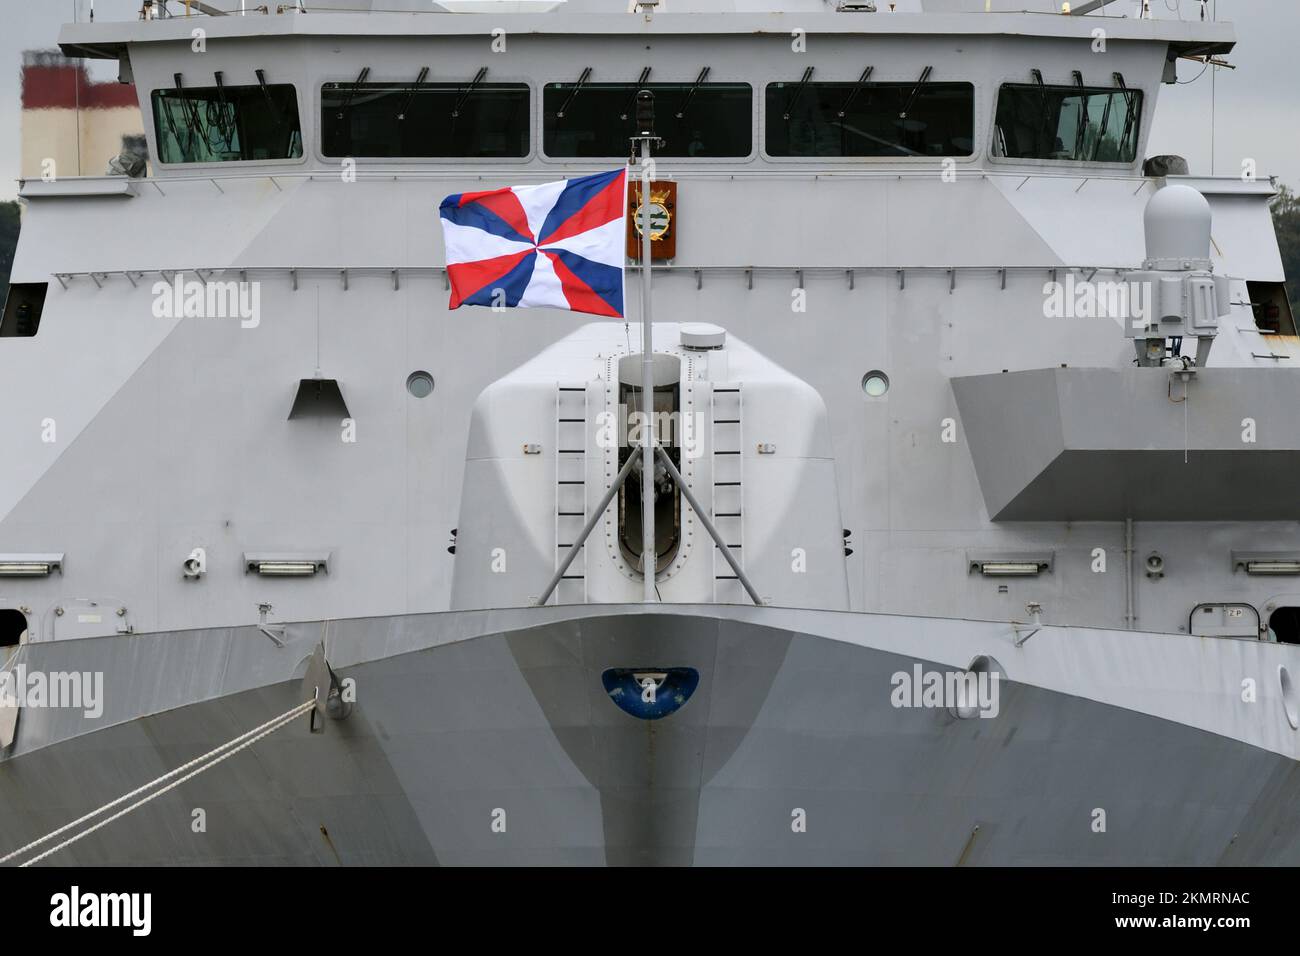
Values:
[(645, 125)]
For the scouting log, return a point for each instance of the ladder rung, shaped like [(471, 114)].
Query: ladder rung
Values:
[(561, 420), (731, 390)]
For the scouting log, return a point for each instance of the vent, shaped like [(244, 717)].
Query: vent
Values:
[(13, 625), (1271, 307), (23, 308), (319, 398)]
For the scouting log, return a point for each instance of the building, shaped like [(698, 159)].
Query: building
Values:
[(75, 121)]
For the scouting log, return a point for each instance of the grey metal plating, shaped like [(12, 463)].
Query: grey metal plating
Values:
[(152, 452)]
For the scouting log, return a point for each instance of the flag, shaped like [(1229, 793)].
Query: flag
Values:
[(554, 246)]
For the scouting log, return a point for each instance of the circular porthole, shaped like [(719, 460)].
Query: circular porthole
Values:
[(875, 383), (420, 384), (1289, 704)]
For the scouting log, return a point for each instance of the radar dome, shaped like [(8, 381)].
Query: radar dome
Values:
[(1177, 224)]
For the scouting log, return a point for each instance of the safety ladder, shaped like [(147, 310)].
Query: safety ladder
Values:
[(727, 449), (570, 489)]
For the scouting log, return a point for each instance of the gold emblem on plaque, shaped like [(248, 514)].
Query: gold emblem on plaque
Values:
[(660, 217)]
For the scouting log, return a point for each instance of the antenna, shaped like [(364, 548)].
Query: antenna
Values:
[(1214, 96)]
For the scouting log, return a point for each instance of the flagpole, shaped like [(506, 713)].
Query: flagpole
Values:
[(645, 118)]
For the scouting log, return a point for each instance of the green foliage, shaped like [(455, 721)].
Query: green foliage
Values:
[(8, 242), (1286, 220)]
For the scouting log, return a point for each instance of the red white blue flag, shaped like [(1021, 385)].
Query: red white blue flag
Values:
[(554, 246)]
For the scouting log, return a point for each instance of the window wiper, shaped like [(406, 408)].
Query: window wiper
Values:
[(352, 91), (190, 111), (171, 121), (1043, 108), (631, 100), (573, 93), (1130, 116), (911, 97), (1105, 125), (1081, 121), (798, 90), (270, 103), (690, 94), (411, 91), (853, 93), (222, 128), (478, 78)]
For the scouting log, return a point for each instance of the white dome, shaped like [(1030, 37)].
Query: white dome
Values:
[(1177, 224)]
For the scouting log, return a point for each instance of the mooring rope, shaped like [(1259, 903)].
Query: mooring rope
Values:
[(239, 743)]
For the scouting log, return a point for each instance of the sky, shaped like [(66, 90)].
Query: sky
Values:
[(1256, 107)]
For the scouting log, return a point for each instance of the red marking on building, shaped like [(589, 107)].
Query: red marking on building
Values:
[(52, 82)]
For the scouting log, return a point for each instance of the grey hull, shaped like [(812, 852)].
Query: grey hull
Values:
[(470, 723)]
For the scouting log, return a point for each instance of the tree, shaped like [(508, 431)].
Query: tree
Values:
[(8, 242), (1286, 221)]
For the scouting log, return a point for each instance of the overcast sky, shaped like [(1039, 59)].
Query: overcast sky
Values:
[(1257, 106)]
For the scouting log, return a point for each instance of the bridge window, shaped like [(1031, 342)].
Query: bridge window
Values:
[(696, 120), (425, 120), (1067, 123), (870, 119), (221, 124)]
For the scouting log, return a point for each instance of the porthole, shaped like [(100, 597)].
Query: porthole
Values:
[(420, 384), (875, 383)]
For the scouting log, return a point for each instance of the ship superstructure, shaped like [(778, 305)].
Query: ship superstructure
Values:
[(923, 384)]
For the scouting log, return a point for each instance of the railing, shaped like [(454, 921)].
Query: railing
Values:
[(850, 275)]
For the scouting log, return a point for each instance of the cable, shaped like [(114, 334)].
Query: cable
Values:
[(1196, 77), (272, 725)]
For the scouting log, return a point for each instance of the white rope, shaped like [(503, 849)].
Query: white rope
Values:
[(12, 659), (238, 743)]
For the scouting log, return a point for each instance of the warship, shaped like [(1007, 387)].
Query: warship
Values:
[(971, 537)]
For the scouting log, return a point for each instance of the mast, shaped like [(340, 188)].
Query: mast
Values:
[(645, 124)]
